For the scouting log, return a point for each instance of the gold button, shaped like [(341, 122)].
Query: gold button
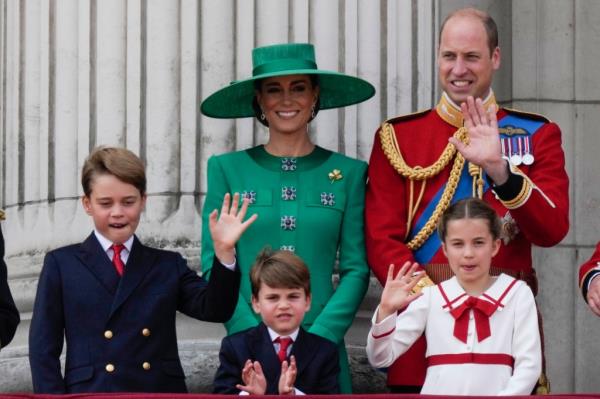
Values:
[(146, 366), (108, 334), (146, 332), (110, 367)]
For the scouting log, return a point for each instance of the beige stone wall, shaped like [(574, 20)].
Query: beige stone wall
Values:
[(79, 73)]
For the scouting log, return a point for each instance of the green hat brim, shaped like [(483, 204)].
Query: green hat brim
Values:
[(336, 90)]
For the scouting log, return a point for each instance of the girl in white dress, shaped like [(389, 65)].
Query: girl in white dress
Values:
[(482, 331)]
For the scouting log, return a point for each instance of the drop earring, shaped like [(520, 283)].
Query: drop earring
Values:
[(312, 111)]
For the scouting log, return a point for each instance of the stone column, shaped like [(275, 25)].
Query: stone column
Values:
[(78, 73)]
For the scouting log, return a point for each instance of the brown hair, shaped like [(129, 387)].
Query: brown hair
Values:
[(119, 162), (488, 23), (279, 269), (470, 208)]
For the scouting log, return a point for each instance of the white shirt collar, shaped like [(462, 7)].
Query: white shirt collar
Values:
[(275, 335), (107, 244)]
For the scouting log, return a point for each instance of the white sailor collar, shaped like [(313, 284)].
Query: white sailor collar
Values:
[(500, 293)]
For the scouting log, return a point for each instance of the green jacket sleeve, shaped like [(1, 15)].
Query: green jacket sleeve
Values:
[(243, 317), (337, 316)]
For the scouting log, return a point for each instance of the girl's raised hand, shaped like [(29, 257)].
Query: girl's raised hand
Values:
[(397, 293)]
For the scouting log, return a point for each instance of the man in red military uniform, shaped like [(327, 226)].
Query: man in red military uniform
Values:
[(424, 161), (589, 284)]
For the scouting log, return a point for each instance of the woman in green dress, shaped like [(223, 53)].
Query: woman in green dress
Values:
[(309, 200)]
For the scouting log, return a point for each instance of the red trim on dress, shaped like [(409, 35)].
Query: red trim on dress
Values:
[(478, 358), (499, 301), (448, 302), (385, 334)]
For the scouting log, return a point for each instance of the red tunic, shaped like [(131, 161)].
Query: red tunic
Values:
[(589, 270), (541, 219)]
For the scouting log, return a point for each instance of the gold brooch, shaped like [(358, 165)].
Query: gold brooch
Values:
[(335, 174)]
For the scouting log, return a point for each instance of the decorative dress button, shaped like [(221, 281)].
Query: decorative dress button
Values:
[(288, 164), (108, 334), (289, 248), (288, 193), (146, 332), (146, 366), (288, 222), (327, 199), (250, 194), (110, 367)]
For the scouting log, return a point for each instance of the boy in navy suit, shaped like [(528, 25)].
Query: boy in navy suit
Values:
[(278, 356), (114, 300), (9, 315)]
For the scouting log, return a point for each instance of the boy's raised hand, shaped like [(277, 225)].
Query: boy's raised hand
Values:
[(397, 292), (228, 227), (254, 379), (287, 379)]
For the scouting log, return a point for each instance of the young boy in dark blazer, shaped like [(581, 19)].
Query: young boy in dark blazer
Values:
[(9, 315), (114, 300), (278, 356)]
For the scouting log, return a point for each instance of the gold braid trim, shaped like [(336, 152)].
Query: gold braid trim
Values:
[(477, 174), (391, 149)]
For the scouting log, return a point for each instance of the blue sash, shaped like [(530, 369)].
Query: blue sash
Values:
[(429, 248)]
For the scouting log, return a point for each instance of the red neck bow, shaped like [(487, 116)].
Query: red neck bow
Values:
[(482, 310)]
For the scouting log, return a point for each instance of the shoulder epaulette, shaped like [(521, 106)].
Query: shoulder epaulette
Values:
[(407, 116), (2, 215), (529, 115)]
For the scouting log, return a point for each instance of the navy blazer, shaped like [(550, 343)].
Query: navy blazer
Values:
[(9, 315), (317, 360), (119, 331)]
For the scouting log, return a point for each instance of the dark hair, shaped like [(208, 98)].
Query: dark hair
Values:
[(488, 23), (279, 269), (470, 208), (314, 80), (119, 162)]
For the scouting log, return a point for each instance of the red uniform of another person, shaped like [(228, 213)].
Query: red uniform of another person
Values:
[(533, 204), (588, 271)]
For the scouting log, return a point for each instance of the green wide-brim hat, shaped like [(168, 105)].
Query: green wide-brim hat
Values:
[(336, 89)]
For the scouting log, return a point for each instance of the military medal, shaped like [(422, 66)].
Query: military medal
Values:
[(515, 158), (528, 157)]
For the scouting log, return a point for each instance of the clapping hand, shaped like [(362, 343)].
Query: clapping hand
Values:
[(397, 293), (484, 147), (227, 229), (254, 379), (288, 377)]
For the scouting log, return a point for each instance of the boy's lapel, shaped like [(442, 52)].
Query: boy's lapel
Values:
[(304, 349), (261, 348), (96, 261), (138, 264)]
